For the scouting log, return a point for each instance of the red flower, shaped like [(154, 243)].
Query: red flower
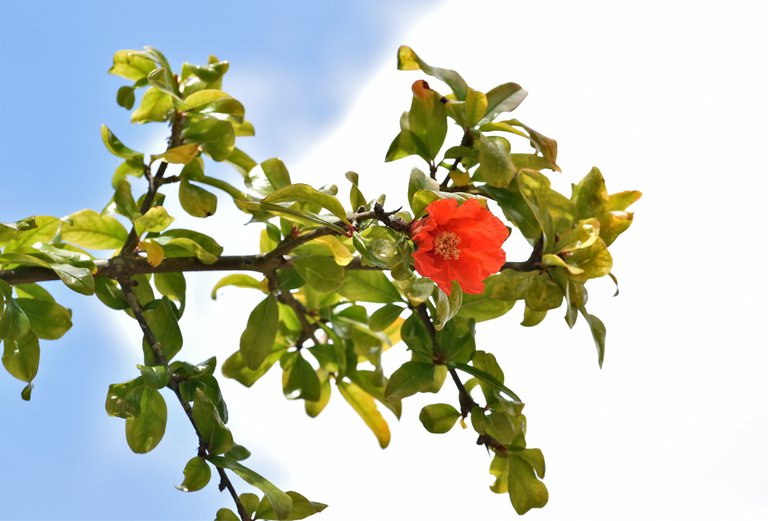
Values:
[(461, 243)]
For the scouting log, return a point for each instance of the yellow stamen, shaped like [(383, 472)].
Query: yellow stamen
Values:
[(446, 245)]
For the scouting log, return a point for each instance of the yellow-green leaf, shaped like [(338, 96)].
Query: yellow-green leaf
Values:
[(155, 220), (365, 407), (180, 155), (305, 193), (89, 229)]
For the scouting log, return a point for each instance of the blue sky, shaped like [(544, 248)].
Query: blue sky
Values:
[(667, 96)]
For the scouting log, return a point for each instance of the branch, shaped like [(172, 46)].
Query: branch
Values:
[(126, 284), (287, 298), (263, 263), (155, 182), (466, 141), (117, 267), (466, 401), (532, 263)]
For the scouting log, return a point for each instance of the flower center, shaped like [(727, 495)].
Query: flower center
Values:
[(446, 245)]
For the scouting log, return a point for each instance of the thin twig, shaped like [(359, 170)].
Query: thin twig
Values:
[(126, 284), (465, 399)]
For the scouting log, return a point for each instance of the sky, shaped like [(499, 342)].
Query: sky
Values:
[(665, 97)]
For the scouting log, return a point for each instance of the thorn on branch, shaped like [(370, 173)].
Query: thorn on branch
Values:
[(390, 220)]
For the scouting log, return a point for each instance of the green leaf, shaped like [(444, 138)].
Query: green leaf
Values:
[(213, 101), (162, 320), (301, 381), (408, 60), (132, 65), (172, 285), (155, 105), (197, 474), (416, 336), (438, 418), (21, 357), (14, 322), (181, 243), (124, 399), (250, 503), (456, 343), (276, 173), (322, 273), (365, 407), (216, 437), (196, 201), (234, 367), (145, 430), (33, 291), (116, 147), (493, 302), (475, 108), (405, 144), (305, 193), (289, 212), (496, 167), (542, 293), (314, 407), (597, 328), (44, 229), (163, 79), (448, 305), (337, 249), (504, 98), (410, 378), (125, 97), (155, 220), (76, 278), (427, 118), (356, 197), (504, 427), (383, 317), (217, 137), (155, 376), (257, 340), (368, 286), (486, 378), (280, 501), (225, 514), (134, 167), (48, 320), (180, 155), (301, 508), (525, 490), (535, 189), (238, 452), (89, 229), (242, 161), (109, 293), (239, 280), (211, 73), (13, 231), (543, 145)]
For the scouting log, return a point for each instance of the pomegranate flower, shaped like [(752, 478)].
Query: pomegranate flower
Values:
[(461, 243)]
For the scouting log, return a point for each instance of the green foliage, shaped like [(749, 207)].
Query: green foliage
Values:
[(335, 283)]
